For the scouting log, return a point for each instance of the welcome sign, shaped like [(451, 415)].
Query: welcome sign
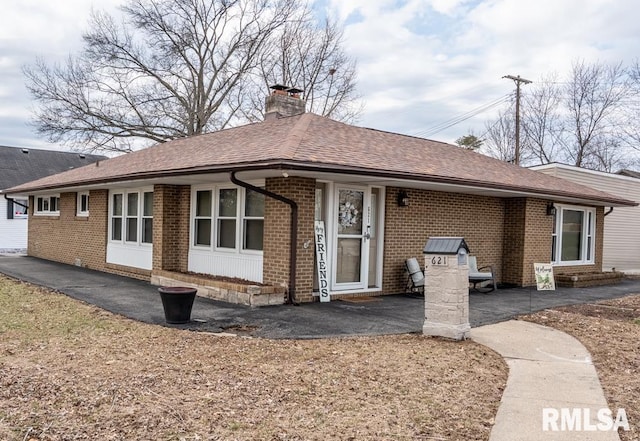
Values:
[(544, 276)]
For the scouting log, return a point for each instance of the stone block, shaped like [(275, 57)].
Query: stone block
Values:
[(447, 330)]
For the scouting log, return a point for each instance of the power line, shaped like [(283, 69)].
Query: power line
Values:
[(439, 127)]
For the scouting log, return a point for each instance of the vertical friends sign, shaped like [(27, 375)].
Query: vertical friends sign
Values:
[(322, 261)]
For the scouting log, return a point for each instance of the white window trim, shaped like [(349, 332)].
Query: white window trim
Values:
[(23, 201), (79, 211), (240, 207), (48, 211), (584, 234), (123, 240)]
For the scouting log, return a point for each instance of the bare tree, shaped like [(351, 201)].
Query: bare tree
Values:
[(500, 135), (310, 56), (542, 125), (594, 95), (170, 69), (577, 121)]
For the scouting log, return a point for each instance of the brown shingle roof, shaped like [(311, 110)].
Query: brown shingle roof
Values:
[(310, 141)]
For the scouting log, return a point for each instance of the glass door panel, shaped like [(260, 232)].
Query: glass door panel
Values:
[(352, 233)]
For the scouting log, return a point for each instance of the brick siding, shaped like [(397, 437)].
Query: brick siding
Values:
[(509, 234), (68, 238), (478, 219), (277, 224), (171, 221)]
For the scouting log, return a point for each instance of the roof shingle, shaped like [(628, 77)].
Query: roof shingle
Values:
[(310, 141)]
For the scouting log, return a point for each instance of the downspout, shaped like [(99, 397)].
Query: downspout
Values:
[(14, 201), (609, 212), (293, 234)]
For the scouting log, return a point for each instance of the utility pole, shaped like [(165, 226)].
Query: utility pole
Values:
[(517, 80)]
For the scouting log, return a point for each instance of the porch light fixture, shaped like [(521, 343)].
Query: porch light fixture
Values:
[(403, 199), (551, 209)]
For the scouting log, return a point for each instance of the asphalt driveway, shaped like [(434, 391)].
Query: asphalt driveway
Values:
[(396, 314)]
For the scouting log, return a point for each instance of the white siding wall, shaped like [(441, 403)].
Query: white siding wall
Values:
[(244, 266), (13, 232), (621, 227)]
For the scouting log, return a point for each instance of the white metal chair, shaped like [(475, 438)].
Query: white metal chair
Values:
[(415, 280), (477, 276)]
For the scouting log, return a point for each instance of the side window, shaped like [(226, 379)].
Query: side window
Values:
[(82, 204), (253, 222), (147, 217), (116, 216), (132, 217), (202, 222), (47, 205), (17, 208), (227, 217)]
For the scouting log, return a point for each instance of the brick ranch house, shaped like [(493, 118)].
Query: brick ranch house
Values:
[(224, 204)]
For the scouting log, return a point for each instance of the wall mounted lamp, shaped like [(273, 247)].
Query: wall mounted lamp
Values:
[(551, 209), (403, 199)]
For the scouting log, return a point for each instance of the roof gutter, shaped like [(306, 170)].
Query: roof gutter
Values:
[(609, 212), (293, 233), (340, 169)]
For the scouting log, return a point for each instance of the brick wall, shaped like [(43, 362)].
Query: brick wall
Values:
[(171, 208), (478, 219), (68, 238), (527, 232), (515, 215), (277, 225), (537, 239)]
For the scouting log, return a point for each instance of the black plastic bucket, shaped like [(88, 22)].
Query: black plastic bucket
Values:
[(177, 302)]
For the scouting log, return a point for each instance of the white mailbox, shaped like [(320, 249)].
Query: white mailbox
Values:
[(446, 288)]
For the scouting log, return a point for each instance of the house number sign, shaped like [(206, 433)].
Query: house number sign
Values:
[(321, 259), (439, 260)]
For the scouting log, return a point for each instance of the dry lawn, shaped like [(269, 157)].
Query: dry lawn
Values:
[(70, 371), (610, 330)]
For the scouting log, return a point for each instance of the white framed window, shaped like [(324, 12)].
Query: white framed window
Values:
[(17, 208), (147, 217), (131, 216), (48, 205), (202, 218), (227, 218), (573, 237), (82, 204), (253, 221)]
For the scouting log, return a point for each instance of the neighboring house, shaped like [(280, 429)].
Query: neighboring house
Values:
[(20, 165), (621, 248), (224, 204)]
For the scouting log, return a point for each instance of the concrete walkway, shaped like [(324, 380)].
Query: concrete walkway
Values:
[(547, 369)]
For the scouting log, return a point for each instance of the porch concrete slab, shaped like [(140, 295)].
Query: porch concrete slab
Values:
[(394, 314), (548, 369)]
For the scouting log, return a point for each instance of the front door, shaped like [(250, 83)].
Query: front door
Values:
[(353, 227)]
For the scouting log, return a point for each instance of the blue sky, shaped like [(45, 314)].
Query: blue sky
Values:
[(420, 62)]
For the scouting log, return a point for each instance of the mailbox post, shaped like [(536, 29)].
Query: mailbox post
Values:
[(446, 302)]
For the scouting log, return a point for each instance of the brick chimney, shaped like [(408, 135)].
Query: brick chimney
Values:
[(282, 102)]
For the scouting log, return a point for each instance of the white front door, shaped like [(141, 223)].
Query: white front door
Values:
[(353, 228)]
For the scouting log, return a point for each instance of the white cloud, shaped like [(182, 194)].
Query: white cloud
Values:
[(421, 60), (31, 29)]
